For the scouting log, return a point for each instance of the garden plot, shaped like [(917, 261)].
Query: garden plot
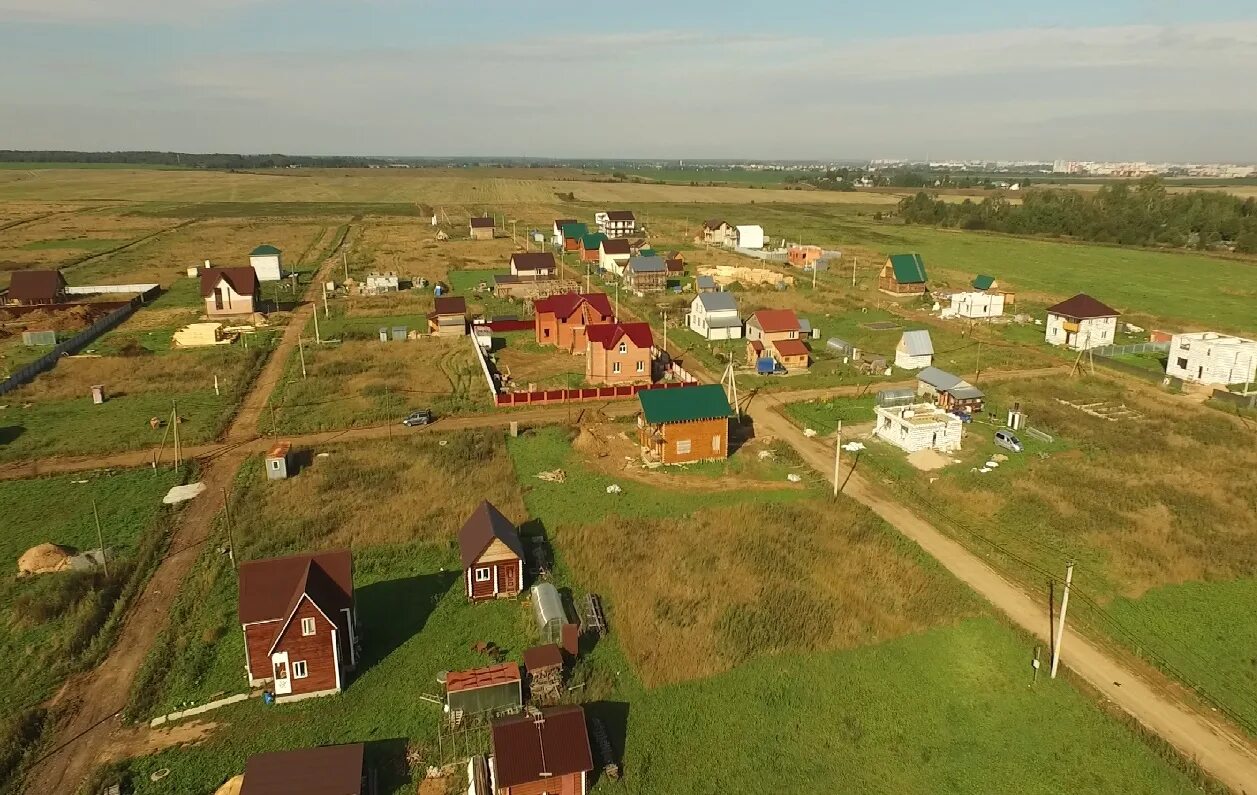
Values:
[(62, 239)]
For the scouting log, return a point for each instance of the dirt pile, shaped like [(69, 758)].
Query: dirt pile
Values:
[(44, 559)]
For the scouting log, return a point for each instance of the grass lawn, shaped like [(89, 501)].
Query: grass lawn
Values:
[(823, 416)]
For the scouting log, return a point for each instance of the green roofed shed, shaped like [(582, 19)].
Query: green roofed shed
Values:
[(594, 241), (574, 231), (909, 268), (264, 250), (684, 404), (981, 282)]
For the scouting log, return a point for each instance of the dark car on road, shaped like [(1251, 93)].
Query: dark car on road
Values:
[(418, 417)]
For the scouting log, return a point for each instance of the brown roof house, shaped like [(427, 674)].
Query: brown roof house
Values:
[(492, 555), (331, 770), (448, 317), (30, 288), (481, 228), (300, 624), (717, 232), (1081, 323), (546, 753), (619, 353), (533, 264), (230, 291)]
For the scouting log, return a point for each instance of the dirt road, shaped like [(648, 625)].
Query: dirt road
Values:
[(1219, 748)]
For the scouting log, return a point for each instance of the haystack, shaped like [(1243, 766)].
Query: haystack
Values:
[(44, 559), (232, 787)]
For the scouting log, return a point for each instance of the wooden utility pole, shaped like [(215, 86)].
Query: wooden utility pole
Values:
[(317, 337), (216, 392), (231, 538), (837, 455), (665, 331), (854, 260), (730, 382), (100, 539), (1060, 629), (325, 310), (301, 349), (344, 259), (174, 427)]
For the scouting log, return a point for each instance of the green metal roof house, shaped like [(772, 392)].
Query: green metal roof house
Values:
[(903, 274), (681, 425)]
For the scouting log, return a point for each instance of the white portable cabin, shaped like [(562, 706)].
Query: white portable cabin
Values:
[(976, 305)]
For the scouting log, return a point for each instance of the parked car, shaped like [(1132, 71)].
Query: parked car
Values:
[(1008, 441), (963, 416), (418, 417)]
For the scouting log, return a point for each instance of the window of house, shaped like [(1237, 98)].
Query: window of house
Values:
[(615, 367), (484, 574), (307, 626), (683, 446), (641, 367), (623, 348), (299, 670), (545, 332), (793, 334), (715, 443), (1182, 364)]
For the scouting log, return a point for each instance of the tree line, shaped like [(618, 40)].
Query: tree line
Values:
[(1142, 213)]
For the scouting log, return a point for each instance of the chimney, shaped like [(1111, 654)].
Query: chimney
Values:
[(207, 265)]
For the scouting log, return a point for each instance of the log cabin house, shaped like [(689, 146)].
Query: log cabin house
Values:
[(685, 424), (903, 275)]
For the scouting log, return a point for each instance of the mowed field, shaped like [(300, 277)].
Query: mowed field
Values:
[(708, 676)]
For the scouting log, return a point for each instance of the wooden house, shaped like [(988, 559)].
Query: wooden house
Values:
[(572, 235), (230, 291), (561, 319), (36, 287), (492, 555), (299, 621), (717, 232), (619, 353), (542, 753), (448, 317), (903, 275), (684, 424), (329, 770), (646, 274), (949, 392), (481, 228), (791, 354)]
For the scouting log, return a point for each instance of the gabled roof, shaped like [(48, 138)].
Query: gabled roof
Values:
[(481, 223), (243, 281), (449, 305), (917, 343), (41, 285), (615, 245), (592, 241), (574, 230), (908, 268), (705, 282), (270, 588), (559, 223), (647, 265), (676, 265), (718, 302), (966, 392), (684, 404), (1082, 307), (714, 223), (790, 347), (332, 770), (528, 749), (939, 379), (490, 676), (983, 282), (621, 215), (485, 524), (744, 228), (608, 335), (539, 658), (533, 260), (773, 320), (566, 304), (264, 250)]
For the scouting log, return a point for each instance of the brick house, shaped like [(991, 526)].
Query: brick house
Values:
[(902, 275), (619, 353), (556, 233), (804, 256), (230, 291), (546, 753), (492, 555), (684, 424), (562, 319), (299, 621), (572, 235), (481, 228), (591, 247)]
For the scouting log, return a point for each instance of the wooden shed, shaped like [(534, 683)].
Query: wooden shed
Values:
[(492, 555), (903, 275)]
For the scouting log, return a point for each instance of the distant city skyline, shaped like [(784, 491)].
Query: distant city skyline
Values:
[(1123, 81)]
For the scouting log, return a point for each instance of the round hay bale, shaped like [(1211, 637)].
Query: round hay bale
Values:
[(232, 787), (44, 559)]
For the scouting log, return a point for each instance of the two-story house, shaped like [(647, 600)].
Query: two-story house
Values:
[(619, 353), (616, 223), (1081, 323), (717, 232), (646, 274), (776, 334), (715, 316), (562, 319), (614, 255)]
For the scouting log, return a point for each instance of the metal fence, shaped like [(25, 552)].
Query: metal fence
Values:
[(1235, 399), (1137, 347), (1143, 373), (75, 344)]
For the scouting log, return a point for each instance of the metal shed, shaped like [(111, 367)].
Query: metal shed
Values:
[(547, 609), (277, 461), (896, 397)]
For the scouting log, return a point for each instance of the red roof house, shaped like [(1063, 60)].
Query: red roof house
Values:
[(30, 288), (545, 753), (562, 319), (619, 353), (230, 291), (492, 555), (300, 623)]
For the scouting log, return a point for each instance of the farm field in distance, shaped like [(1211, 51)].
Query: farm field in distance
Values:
[(760, 628)]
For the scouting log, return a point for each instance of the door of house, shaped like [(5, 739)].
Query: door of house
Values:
[(218, 298), (508, 576), (279, 666)]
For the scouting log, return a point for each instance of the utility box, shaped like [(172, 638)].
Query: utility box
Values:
[(98, 394), (277, 461)]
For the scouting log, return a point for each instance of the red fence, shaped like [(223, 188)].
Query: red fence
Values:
[(508, 325), (576, 395)]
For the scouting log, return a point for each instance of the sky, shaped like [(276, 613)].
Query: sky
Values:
[(794, 79)]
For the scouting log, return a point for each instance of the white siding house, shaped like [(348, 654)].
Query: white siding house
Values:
[(915, 350), (265, 261), (976, 305), (613, 255), (1207, 357), (616, 223), (918, 427), (750, 236), (1081, 323), (715, 316)]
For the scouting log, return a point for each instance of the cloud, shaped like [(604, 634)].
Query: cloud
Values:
[(182, 12)]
